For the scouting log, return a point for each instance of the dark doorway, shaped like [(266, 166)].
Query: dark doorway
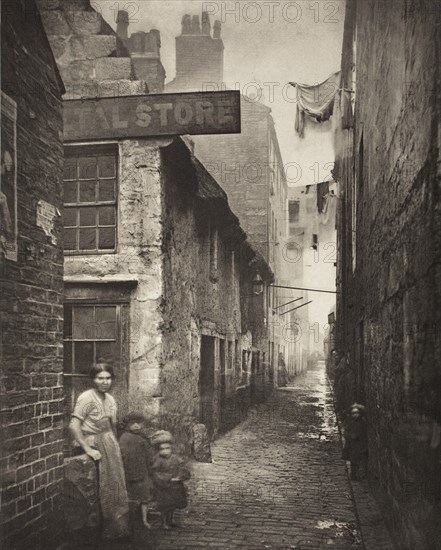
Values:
[(255, 374), (206, 383)]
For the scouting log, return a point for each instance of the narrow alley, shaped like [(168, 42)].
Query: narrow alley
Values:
[(218, 249), (277, 481)]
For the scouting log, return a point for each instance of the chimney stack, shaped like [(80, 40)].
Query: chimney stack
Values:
[(122, 24), (199, 55)]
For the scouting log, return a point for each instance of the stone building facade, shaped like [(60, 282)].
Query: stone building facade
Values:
[(31, 284), (388, 313), (167, 299)]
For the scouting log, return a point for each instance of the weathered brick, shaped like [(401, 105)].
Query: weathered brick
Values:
[(22, 398), (40, 480), (46, 450), (31, 426), (24, 504), (56, 407), (37, 440), (54, 435), (44, 381), (24, 473), (9, 510), (17, 444), (52, 462), (31, 455), (45, 422), (38, 467)]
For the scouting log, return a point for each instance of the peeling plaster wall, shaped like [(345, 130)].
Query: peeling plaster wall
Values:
[(194, 306)]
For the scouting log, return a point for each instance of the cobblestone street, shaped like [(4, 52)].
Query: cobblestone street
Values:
[(277, 481)]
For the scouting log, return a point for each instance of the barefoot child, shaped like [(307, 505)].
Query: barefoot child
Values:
[(168, 473), (137, 457)]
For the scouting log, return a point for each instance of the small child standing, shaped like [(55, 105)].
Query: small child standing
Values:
[(168, 473), (137, 457), (356, 442)]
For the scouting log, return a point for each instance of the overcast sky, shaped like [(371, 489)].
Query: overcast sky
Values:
[(265, 42)]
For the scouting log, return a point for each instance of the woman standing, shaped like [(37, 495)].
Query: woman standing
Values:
[(92, 425)]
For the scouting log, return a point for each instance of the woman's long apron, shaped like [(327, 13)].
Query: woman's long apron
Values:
[(113, 492)]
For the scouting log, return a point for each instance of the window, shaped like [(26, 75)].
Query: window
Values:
[(90, 199), (91, 332), (294, 210)]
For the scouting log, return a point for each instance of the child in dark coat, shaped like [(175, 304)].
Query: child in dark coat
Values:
[(168, 473), (137, 457), (356, 442)]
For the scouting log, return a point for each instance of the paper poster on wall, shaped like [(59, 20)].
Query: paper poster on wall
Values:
[(8, 185)]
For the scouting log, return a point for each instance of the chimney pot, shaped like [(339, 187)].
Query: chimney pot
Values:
[(122, 24), (186, 24), (206, 27), (122, 17), (217, 29), (195, 25)]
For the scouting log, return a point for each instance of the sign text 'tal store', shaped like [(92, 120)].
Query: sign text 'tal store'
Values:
[(152, 115)]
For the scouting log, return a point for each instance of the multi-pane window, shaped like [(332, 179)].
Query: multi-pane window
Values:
[(91, 332), (90, 199)]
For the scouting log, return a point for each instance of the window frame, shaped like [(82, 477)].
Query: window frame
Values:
[(119, 332), (75, 150)]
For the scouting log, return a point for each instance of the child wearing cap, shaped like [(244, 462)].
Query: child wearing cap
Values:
[(356, 442), (137, 457), (168, 473)]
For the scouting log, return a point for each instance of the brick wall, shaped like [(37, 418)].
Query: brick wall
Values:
[(31, 287), (389, 314)]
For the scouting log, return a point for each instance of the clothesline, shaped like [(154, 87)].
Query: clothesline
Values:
[(337, 90)]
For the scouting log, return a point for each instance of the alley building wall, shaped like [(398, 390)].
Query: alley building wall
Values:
[(31, 283), (248, 166), (388, 310), (207, 279)]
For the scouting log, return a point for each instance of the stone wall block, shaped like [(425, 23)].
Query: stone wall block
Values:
[(114, 68), (81, 71), (92, 47), (85, 22), (55, 22)]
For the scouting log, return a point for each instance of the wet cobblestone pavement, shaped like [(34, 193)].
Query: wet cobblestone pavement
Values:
[(277, 482)]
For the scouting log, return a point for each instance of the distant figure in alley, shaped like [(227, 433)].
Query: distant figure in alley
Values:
[(356, 445)]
